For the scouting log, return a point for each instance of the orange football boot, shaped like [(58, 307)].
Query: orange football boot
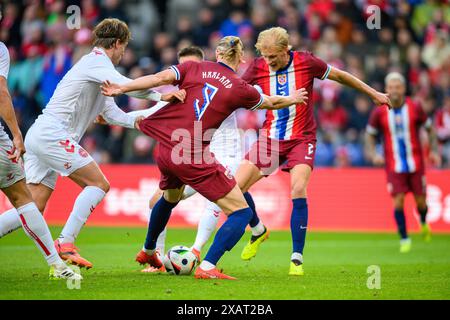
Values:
[(211, 274), (153, 260), (69, 253)]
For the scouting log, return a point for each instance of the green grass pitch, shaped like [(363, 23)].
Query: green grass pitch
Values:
[(335, 266)]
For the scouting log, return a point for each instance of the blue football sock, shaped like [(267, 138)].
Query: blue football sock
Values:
[(229, 234), (299, 223), (423, 215), (158, 221), (401, 223), (254, 220)]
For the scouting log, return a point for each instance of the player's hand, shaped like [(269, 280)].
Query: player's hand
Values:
[(110, 89), (436, 159), (378, 160), (100, 120), (381, 99), (137, 121), (179, 95), (17, 150), (300, 96)]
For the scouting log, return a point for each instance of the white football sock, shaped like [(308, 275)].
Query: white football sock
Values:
[(9, 222), (297, 256), (85, 203), (36, 228), (188, 192), (258, 229), (207, 225), (205, 265), (161, 242), (148, 251)]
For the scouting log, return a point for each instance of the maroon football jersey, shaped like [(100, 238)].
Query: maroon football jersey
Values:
[(213, 92)]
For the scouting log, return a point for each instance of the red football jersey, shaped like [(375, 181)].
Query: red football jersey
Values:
[(213, 92), (297, 121), (400, 130)]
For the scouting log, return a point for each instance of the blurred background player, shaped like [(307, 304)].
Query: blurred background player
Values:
[(403, 156), (53, 141), (281, 70), (13, 185), (197, 166)]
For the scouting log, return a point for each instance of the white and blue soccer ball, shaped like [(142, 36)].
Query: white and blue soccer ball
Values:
[(180, 260)]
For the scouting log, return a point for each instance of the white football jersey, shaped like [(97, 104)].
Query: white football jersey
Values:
[(4, 70), (78, 100)]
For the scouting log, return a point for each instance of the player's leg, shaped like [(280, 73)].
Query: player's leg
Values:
[(418, 187), (95, 186), (161, 242), (246, 176), (206, 226), (300, 175), (36, 229), (399, 214), (233, 204), (158, 220)]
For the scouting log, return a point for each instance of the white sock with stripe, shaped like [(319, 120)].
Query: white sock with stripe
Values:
[(9, 222), (85, 203), (36, 229)]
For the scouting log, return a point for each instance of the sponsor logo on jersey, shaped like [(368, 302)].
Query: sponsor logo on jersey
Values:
[(10, 176), (67, 165)]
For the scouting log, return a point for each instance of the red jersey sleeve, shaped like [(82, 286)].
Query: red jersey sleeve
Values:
[(319, 69), (248, 97), (374, 126), (181, 70), (249, 74)]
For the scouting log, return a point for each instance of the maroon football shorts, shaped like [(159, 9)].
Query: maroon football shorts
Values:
[(406, 182), (212, 181), (268, 154)]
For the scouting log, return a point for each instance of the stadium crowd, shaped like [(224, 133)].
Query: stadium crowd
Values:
[(413, 38)]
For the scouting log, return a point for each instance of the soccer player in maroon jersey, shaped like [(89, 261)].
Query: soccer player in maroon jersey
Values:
[(184, 130), (403, 157), (281, 70)]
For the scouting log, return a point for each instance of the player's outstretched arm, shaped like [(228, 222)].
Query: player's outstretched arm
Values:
[(8, 115), (278, 102), (349, 80), (147, 82)]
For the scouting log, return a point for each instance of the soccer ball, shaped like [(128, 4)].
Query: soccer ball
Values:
[(180, 260)]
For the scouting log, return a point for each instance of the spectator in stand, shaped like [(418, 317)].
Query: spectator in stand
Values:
[(442, 123)]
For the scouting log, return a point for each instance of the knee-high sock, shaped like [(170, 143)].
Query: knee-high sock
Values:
[(401, 223), (299, 223), (228, 235), (36, 228), (207, 225), (158, 221), (422, 213), (85, 203), (256, 225), (9, 222), (161, 241)]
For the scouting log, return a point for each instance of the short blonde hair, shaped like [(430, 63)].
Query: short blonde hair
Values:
[(279, 36), (394, 76), (230, 48)]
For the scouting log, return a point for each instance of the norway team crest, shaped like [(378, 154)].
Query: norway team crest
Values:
[(281, 79)]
